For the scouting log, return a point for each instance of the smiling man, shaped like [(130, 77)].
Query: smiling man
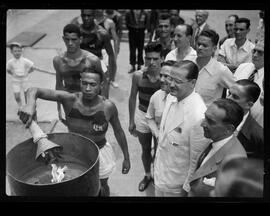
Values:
[(183, 111), (235, 51), (88, 114), (183, 51)]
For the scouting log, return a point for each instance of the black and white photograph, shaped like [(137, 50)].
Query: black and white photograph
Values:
[(135, 103)]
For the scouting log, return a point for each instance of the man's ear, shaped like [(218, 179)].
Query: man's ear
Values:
[(231, 128), (250, 104), (81, 39)]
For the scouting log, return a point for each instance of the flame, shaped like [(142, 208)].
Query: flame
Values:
[(57, 173)]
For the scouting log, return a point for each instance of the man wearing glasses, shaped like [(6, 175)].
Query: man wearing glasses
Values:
[(235, 51), (179, 131)]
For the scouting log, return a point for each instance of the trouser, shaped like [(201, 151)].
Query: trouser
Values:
[(136, 42)]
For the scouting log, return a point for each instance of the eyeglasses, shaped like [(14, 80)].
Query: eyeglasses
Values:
[(177, 81)]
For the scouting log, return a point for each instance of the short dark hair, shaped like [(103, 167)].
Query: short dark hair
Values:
[(153, 47), (72, 28), (243, 20), (212, 35), (91, 70), (168, 63), (192, 68), (252, 89), (248, 177), (109, 11), (234, 112), (164, 16)]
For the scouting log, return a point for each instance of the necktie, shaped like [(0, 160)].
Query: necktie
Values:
[(196, 35), (252, 75), (204, 154)]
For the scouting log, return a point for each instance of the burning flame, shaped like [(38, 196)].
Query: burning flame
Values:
[(57, 173)]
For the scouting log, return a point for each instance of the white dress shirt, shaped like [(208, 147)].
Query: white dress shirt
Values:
[(172, 55)]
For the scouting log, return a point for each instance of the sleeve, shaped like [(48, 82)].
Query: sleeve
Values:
[(8, 66), (227, 77), (28, 64), (150, 114), (222, 49)]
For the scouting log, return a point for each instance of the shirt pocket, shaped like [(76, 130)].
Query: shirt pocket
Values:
[(176, 137)]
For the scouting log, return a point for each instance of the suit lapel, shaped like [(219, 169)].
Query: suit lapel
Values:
[(212, 163)]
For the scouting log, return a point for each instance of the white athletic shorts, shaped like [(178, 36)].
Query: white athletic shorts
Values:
[(107, 161), (19, 84), (141, 123)]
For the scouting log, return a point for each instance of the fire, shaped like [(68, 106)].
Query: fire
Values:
[(57, 173)]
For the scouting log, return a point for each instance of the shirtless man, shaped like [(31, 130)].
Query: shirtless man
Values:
[(94, 39), (88, 114), (69, 65)]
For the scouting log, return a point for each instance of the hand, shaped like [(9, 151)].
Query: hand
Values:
[(132, 129), (125, 166), (26, 114), (52, 155)]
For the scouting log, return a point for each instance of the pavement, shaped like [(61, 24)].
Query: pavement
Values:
[(52, 22)]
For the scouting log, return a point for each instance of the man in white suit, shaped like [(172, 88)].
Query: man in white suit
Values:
[(183, 111)]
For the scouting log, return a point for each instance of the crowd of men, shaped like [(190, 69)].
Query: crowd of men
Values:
[(199, 115)]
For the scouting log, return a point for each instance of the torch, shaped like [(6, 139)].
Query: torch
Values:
[(46, 148)]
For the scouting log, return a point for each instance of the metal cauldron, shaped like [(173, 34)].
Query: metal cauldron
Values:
[(25, 173)]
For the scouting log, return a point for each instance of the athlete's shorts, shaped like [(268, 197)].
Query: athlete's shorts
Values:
[(107, 161), (19, 84), (141, 123)]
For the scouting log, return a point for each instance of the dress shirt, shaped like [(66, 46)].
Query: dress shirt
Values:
[(236, 56), (156, 106), (213, 77), (192, 55), (215, 147)]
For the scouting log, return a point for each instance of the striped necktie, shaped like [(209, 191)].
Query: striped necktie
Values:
[(252, 75), (204, 154)]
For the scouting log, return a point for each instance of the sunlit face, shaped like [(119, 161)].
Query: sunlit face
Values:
[(164, 28), (240, 31), (200, 17), (213, 125), (164, 73), (17, 52), (205, 47), (72, 42), (180, 38), (229, 26), (258, 57), (90, 85), (88, 17), (180, 86), (237, 93), (152, 61)]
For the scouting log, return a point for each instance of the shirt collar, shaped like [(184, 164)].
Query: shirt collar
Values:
[(241, 124), (217, 145), (202, 26), (210, 66), (185, 100), (244, 46)]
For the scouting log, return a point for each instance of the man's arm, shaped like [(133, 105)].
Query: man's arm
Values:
[(28, 110), (114, 36), (132, 103), (120, 137), (222, 59), (110, 52), (58, 84), (150, 117)]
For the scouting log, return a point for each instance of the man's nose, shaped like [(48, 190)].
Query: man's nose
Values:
[(88, 87), (203, 123)]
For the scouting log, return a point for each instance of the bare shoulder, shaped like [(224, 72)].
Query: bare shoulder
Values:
[(90, 55), (103, 33)]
